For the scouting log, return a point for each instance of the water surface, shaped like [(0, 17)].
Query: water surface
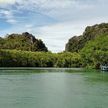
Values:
[(53, 88)]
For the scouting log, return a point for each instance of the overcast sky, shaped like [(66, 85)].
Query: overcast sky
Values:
[(53, 21)]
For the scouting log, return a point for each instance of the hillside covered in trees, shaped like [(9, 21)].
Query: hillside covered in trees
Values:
[(87, 50), (95, 52), (76, 43), (24, 41), (92, 45)]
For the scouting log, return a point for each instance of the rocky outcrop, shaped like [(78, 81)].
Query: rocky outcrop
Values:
[(24, 41), (76, 43)]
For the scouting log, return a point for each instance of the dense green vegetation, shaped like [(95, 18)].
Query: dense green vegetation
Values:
[(24, 41), (95, 52), (87, 50), (17, 58), (76, 43), (92, 45)]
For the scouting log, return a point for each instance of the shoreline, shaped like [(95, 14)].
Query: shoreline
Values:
[(36, 68)]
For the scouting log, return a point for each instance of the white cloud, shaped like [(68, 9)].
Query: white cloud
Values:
[(11, 21), (8, 14), (54, 4), (29, 27), (7, 1), (57, 35), (63, 10)]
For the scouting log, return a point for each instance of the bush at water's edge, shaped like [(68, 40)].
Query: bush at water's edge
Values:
[(17, 58)]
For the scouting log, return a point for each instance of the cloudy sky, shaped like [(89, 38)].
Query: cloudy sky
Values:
[(53, 21)]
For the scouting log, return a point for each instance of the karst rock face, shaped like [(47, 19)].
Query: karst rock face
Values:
[(24, 41), (76, 43)]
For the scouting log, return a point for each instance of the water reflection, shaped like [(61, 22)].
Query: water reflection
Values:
[(53, 88)]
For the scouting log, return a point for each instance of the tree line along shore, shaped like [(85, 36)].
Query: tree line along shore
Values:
[(87, 50)]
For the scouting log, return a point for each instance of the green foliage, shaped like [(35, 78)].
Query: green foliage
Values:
[(76, 43), (17, 58), (68, 60), (87, 50), (24, 41), (95, 52)]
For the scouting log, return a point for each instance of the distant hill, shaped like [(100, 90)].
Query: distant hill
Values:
[(76, 43), (24, 41)]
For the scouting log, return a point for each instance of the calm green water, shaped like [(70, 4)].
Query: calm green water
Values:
[(53, 88)]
